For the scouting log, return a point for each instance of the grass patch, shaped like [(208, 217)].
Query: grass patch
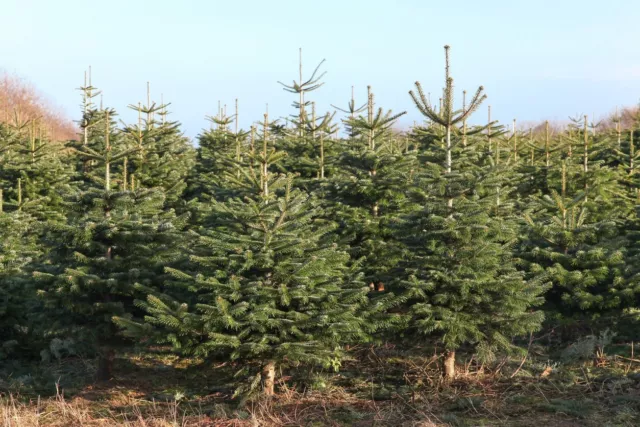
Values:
[(379, 386)]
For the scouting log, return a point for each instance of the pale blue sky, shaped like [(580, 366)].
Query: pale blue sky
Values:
[(537, 59)]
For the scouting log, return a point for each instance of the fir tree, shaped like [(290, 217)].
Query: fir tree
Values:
[(301, 88), (112, 241), (579, 254), (164, 156), (271, 288), (217, 157), (18, 249), (367, 190), (462, 287), (36, 174)]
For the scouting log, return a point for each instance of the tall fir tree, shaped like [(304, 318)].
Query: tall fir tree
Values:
[(367, 190), (462, 288), (271, 288), (112, 241)]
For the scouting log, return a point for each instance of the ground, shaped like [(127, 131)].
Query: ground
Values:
[(379, 386)]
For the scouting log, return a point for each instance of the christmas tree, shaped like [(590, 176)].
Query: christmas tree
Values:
[(570, 245), (462, 288), (367, 190), (271, 288), (164, 156), (18, 249), (112, 243)]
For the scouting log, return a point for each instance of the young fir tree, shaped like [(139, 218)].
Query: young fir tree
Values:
[(632, 254), (589, 169), (579, 254), (462, 288), (301, 88), (18, 250), (271, 288), (310, 143), (164, 156), (367, 190), (36, 174), (113, 244), (32, 181), (627, 161), (93, 138), (219, 151), (536, 173), (310, 155)]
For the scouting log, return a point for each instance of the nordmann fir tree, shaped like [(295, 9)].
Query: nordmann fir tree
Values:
[(462, 288), (632, 255), (579, 254), (114, 244), (93, 137), (33, 178), (589, 169), (308, 143), (537, 172), (573, 235), (36, 174), (627, 160), (301, 88), (367, 190), (310, 156), (19, 248), (219, 150), (351, 111), (164, 156), (272, 289)]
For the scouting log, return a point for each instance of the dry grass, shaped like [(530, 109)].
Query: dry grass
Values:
[(293, 410), (58, 412), (381, 386)]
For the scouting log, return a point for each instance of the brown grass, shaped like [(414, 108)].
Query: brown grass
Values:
[(378, 386)]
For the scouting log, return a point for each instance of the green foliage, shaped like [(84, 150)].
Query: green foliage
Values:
[(285, 243), (18, 249), (163, 157), (269, 285), (461, 284), (112, 245)]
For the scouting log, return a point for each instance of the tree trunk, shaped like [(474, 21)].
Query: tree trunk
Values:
[(269, 373), (449, 365), (449, 161), (105, 365)]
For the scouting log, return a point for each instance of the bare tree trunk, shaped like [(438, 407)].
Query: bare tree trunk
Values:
[(585, 158), (632, 152), (546, 143), (105, 365), (269, 373), (449, 161), (107, 166), (449, 365), (321, 156)]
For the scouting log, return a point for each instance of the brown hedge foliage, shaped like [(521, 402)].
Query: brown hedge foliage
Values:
[(21, 103)]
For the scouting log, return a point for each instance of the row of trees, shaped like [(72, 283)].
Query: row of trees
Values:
[(284, 243)]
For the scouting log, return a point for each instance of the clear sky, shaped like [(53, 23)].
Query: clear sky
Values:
[(537, 59)]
